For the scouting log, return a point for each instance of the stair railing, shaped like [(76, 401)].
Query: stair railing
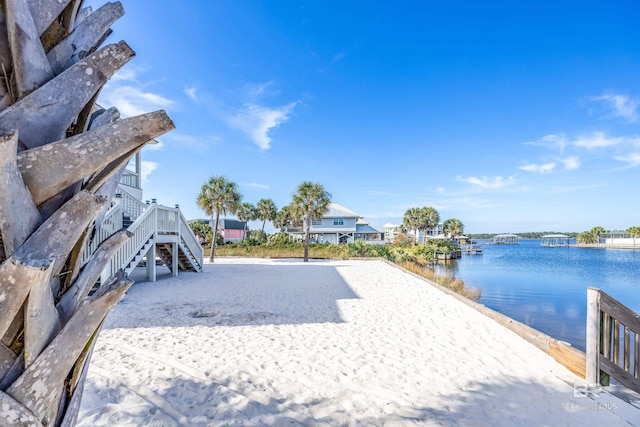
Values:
[(131, 206), (190, 242), (111, 223), (143, 229)]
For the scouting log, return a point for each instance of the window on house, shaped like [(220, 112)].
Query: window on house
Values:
[(338, 221), (316, 222)]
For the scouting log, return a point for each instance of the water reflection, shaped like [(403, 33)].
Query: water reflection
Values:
[(546, 288)]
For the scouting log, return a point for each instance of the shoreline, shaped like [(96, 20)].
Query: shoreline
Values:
[(342, 342)]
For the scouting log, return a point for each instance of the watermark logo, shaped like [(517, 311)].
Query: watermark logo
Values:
[(586, 391), (591, 392)]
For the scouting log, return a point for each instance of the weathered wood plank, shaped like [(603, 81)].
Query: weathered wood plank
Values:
[(616, 341), (7, 357), (19, 216), (17, 276), (41, 121), (620, 312), (6, 98), (83, 14), (606, 321), (14, 414), (85, 38), (625, 378), (41, 321), (98, 148), (626, 349), (593, 336), (77, 382), (636, 358), (55, 238), (45, 11), (39, 387), (90, 274), (31, 67), (569, 357)]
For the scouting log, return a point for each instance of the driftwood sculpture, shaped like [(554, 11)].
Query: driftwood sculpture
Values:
[(61, 158)]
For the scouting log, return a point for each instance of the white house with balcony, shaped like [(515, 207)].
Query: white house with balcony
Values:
[(157, 231), (341, 225)]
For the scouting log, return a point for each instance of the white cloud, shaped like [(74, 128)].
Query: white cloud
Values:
[(146, 169), (257, 120), (620, 106), (157, 145), (486, 182), (132, 101), (256, 90), (128, 73), (632, 159), (554, 141), (596, 140), (191, 93), (571, 163), (192, 142), (590, 141), (256, 185), (543, 168)]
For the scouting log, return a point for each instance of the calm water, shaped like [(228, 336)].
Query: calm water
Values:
[(546, 288)]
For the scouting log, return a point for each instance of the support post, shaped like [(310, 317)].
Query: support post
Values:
[(593, 336), (151, 262), (174, 259)]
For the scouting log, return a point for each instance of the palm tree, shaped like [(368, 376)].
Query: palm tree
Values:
[(411, 221), (634, 232), (309, 202), (50, 200), (586, 238), (265, 210), (283, 219), (429, 219), (218, 196), (597, 233), (453, 227), (246, 212)]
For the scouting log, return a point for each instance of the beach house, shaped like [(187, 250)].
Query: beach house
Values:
[(341, 225)]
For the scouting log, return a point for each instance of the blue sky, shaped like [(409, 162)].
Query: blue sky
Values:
[(508, 116)]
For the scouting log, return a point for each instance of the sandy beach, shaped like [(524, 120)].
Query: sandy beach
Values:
[(253, 342)]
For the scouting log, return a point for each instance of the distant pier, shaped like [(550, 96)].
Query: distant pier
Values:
[(506, 239), (472, 250), (554, 241)]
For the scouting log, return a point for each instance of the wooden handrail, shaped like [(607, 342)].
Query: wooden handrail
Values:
[(605, 318)]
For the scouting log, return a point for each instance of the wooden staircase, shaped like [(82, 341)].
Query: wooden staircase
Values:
[(158, 231)]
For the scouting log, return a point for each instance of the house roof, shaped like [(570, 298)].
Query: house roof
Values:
[(366, 228), (230, 224), (339, 211)]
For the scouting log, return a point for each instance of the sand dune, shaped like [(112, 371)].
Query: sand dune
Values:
[(279, 342)]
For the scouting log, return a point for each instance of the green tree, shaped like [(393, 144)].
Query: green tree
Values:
[(218, 196), (309, 202), (634, 232), (597, 233), (586, 238), (412, 221), (429, 219), (453, 227), (200, 228), (283, 219), (265, 210), (246, 212)]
